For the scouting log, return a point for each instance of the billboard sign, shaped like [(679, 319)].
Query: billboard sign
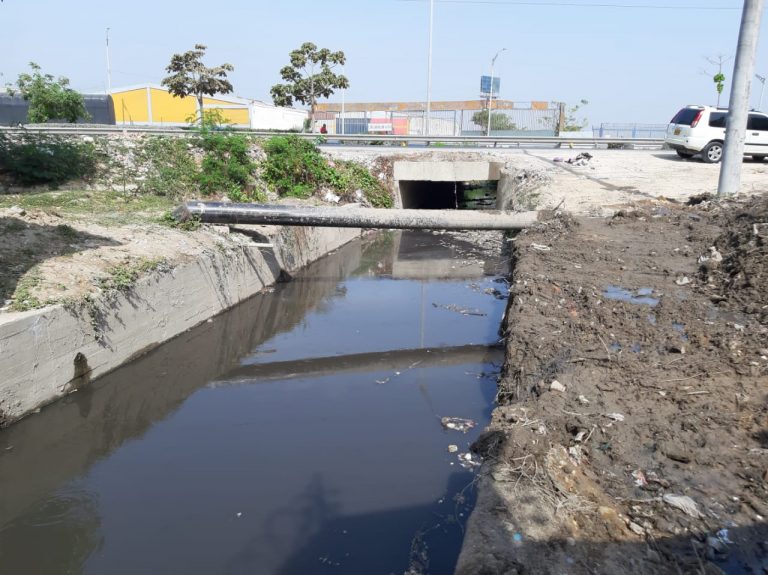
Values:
[(380, 127), (485, 85)]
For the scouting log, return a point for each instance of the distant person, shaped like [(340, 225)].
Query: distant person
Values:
[(323, 129)]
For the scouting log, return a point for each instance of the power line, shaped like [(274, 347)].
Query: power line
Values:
[(585, 5)]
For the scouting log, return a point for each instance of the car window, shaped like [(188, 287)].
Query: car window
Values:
[(685, 116), (717, 119), (756, 122)]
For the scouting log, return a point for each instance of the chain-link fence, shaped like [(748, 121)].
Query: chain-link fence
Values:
[(448, 119)]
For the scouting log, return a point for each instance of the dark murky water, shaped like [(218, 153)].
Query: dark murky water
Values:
[(297, 434)]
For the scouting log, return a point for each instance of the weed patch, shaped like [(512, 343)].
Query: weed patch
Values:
[(38, 159), (170, 167), (23, 300), (122, 278)]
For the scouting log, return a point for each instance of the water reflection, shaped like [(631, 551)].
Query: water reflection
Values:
[(338, 450)]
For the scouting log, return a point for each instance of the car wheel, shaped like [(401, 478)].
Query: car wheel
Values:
[(683, 154), (712, 152), (758, 158)]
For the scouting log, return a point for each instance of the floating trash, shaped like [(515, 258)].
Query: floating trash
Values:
[(468, 461), (457, 423)]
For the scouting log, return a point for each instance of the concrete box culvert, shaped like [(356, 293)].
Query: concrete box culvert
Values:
[(433, 184), (48, 353)]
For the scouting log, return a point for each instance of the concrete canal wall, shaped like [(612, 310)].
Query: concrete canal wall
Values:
[(48, 353)]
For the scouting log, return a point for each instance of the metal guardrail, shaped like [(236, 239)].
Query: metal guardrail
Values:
[(475, 141)]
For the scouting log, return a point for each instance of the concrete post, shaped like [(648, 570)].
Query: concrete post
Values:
[(738, 105), (560, 119)]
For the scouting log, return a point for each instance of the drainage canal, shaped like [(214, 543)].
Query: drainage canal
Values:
[(427, 195), (299, 433)]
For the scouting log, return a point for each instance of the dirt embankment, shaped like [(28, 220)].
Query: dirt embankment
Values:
[(632, 428)]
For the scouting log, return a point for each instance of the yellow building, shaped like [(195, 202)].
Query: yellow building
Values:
[(153, 105)]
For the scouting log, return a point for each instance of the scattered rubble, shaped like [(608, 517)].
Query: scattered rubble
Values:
[(656, 458)]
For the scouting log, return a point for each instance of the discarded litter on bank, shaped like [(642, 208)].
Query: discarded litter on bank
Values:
[(683, 503)]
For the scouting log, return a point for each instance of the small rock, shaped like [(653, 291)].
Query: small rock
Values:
[(453, 448), (17, 211), (583, 400), (682, 280), (615, 416), (636, 529), (676, 454)]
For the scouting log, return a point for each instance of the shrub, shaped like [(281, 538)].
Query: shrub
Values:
[(227, 166), (35, 159), (295, 167)]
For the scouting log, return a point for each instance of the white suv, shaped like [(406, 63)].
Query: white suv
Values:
[(701, 130)]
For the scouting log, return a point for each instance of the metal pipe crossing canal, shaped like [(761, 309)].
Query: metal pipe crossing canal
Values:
[(354, 217)]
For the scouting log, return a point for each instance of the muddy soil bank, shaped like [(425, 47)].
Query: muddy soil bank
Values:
[(631, 433)]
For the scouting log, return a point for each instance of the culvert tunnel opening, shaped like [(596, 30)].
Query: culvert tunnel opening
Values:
[(430, 195)]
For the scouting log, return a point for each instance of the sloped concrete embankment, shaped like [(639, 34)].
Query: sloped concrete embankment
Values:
[(48, 353)]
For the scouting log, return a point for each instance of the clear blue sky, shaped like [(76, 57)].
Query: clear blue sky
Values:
[(632, 64)]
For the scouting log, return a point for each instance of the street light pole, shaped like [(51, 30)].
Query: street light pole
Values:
[(738, 105), (429, 69), (343, 100), (762, 90), (490, 98), (109, 69)]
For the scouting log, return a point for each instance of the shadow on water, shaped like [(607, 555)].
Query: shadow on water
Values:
[(66, 438), (323, 540)]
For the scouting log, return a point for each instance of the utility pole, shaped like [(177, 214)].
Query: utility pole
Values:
[(490, 99), (762, 90), (109, 69), (343, 100), (738, 105), (429, 69)]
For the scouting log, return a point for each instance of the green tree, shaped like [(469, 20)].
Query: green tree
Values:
[(190, 77), (572, 123), (49, 98), (309, 76), (499, 120), (718, 77)]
